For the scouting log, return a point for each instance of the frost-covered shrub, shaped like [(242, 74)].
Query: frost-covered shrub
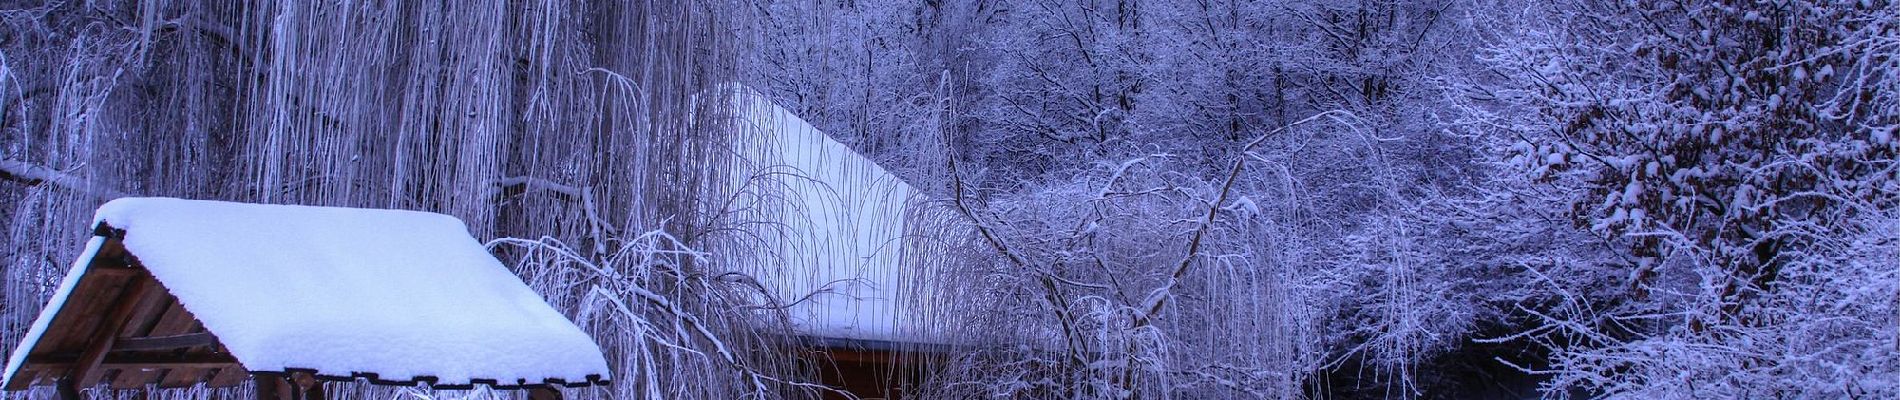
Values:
[(672, 324), (1734, 158)]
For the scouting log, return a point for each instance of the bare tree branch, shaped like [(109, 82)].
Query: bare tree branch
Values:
[(31, 175), (597, 226)]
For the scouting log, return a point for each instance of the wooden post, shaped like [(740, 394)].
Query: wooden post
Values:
[(546, 392), (67, 390), (272, 387), (308, 387), (314, 392)]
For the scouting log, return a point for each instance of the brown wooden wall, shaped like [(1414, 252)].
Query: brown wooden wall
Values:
[(868, 373)]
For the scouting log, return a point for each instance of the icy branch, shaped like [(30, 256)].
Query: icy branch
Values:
[(1052, 291), (31, 175), (1159, 298), (597, 226)]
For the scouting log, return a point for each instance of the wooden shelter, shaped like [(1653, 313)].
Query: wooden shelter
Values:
[(873, 369), (120, 326), (116, 323), (847, 238)]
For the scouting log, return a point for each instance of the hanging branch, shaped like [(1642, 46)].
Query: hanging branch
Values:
[(33, 175), (1159, 298), (611, 280), (1052, 291), (597, 226)]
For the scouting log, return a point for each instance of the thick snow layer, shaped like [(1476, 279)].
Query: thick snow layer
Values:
[(342, 291), (837, 224)]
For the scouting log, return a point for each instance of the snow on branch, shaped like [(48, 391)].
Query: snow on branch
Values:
[(1159, 298), (31, 175), (652, 301), (1052, 291), (599, 227)]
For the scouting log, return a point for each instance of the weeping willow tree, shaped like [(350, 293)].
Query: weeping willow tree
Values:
[(588, 128)]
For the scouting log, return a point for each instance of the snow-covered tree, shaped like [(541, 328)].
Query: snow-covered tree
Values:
[(1732, 156)]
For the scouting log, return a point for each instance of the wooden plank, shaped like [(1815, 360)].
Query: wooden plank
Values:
[(308, 386), (113, 255), (171, 342), (863, 356), (120, 272), (67, 390), (124, 361), (74, 324), (272, 387), (186, 375), (544, 393), (86, 370), (149, 311), (22, 380), (78, 315), (97, 294), (72, 327), (133, 378), (228, 376), (134, 337), (174, 320)]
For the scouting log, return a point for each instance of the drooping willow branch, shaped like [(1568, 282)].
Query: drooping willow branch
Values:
[(622, 279), (599, 227)]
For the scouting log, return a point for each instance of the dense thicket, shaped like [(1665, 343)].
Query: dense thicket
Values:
[(595, 131), (1216, 199), (1163, 198)]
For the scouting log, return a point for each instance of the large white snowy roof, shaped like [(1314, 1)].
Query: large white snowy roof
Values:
[(343, 292), (838, 226)]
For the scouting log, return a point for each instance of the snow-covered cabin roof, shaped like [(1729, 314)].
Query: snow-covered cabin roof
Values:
[(396, 297), (837, 224)]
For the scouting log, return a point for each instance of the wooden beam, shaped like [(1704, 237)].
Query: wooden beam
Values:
[(133, 378), (146, 316), (146, 323), (185, 376), (863, 356), (22, 379), (66, 389), (118, 272), (178, 320), (113, 255), (228, 376), (86, 370), (73, 327), (166, 342), (272, 387), (124, 361), (308, 386), (544, 393)]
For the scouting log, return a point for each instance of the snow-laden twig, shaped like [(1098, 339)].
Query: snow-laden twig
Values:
[(1158, 298)]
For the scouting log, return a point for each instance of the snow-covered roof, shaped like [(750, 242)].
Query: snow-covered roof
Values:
[(837, 225), (341, 292)]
